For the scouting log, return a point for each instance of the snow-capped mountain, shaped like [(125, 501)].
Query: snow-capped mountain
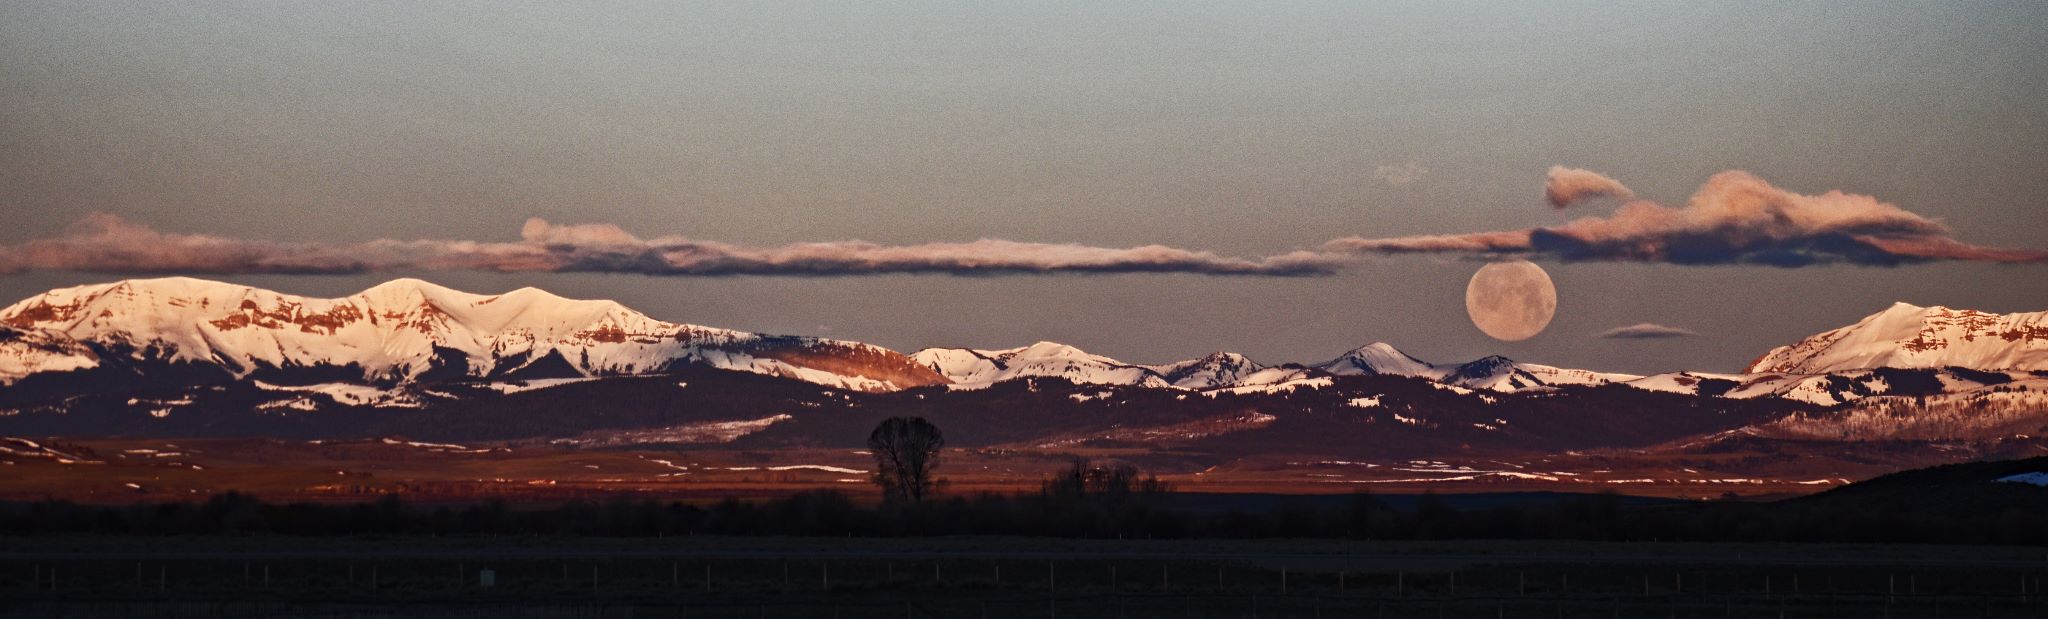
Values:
[(1493, 373), (1379, 358), (1909, 336), (1220, 369), (398, 332), (969, 368), (1834, 388), (182, 332)]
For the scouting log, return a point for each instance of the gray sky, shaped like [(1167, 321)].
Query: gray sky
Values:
[(1244, 129)]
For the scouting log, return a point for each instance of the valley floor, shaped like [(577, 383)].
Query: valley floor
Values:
[(130, 470)]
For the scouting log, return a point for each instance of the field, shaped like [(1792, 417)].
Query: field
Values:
[(1006, 577), (126, 470)]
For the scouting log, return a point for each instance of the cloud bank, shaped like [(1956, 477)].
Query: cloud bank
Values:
[(1646, 331), (1564, 186), (1735, 218), (104, 242)]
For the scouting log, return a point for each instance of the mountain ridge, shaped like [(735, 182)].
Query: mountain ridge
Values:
[(1910, 336), (402, 331), (407, 330)]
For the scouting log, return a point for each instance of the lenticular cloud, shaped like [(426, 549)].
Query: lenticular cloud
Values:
[(1647, 331)]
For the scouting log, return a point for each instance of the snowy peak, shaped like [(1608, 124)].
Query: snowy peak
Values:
[(1909, 336), (1219, 369), (1494, 372), (969, 368), (401, 331), (1379, 358)]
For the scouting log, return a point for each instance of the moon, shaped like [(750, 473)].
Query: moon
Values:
[(1511, 301)]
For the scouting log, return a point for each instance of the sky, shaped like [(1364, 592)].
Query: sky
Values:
[(1146, 181)]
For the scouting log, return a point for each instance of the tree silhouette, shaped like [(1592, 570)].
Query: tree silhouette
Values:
[(906, 451)]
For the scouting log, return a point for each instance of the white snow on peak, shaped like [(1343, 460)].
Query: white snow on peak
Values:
[(969, 368), (1910, 336), (1219, 369), (393, 331), (973, 369), (1380, 358)]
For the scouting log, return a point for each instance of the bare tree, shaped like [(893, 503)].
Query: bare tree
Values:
[(906, 452)]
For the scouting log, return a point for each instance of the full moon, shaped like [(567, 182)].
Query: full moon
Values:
[(1511, 301)]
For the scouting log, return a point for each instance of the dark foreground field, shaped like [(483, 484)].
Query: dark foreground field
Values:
[(1003, 577)]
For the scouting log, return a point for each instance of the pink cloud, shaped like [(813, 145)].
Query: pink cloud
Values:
[(1567, 186), (1735, 218)]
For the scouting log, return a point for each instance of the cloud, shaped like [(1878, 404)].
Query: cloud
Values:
[(1401, 175), (104, 242), (1735, 218), (1646, 331), (1567, 186)]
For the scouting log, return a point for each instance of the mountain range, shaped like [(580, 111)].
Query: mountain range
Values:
[(181, 356)]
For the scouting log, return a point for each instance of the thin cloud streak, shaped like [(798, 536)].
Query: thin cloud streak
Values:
[(103, 242), (1647, 331), (1401, 175)]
